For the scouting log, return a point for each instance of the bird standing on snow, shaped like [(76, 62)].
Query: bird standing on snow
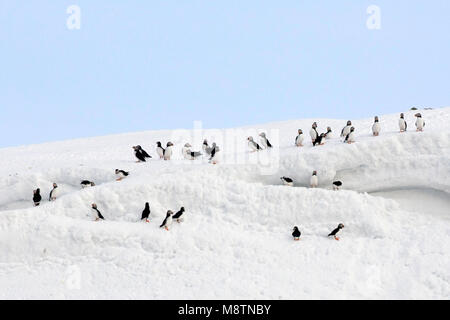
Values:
[(337, 185), (287, 181), (296, 234), (299, 139), (167, 221), (120, 174), (97, 214), (346, 130), (264, 141), (350, 138), (192, 155), (37, 197), (179, 216), (53, 193), (214, 150), (376, 128), (141, 154), (87, 183), (146, 213), (403, 125), (335, 231), (168, 151), (205, 145), (314, 182), (253, 145), (313, 132), (160, 150), (420, 124)]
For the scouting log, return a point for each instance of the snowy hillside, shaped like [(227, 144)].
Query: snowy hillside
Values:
[(235, 242)]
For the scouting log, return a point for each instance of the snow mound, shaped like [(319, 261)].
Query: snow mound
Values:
[(235, 241)]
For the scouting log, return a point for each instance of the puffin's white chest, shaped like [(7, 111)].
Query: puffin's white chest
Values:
[(376, 128), (160, 152), (313, 134), (299, 139), (402, 124), (419, 123), (168, 153), (314, 181)]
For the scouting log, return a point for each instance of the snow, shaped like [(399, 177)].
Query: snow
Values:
[(235, 242)]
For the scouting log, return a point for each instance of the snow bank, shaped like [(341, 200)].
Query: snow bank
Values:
[(235, 241)]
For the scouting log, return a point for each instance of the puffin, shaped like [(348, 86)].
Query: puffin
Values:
[(376, 128), (299, 139), (337, 185), (314, 182), (287, 181), (253, 145), (264, 141), (403, 125), (335, 231), (97, 214), (160, 150), (168, 151), (178, 217), (167, 221), (87, 183), (146, 213), (214, 150), (205, 145), (120, 174), (420, 124), (37, 197), (296, 234), (53, 193), (313, 132), (139, 155), (350, 138)]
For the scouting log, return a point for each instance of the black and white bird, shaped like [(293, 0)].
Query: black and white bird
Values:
[(121, 174), (160, 150), (214, 150), (420, 123), (264, 141), (97, 214), (253, 145), (314, 181), (167, 221), (287, 181), (190, 155), (350, 137), (296, 234), (346, 130), (179, 216), (37, 197), (141, 154), (376, 128), (402, 124), (54, 193), (337, 185), (205, 145), (313, 132), (138, 154), (299, 139), (335, 232), (146, 213), (168, 152), (87, 183)]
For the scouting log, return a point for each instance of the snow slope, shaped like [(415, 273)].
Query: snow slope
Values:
[(235, 242)]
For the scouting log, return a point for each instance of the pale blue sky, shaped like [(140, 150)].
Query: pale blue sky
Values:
[(143, 65)]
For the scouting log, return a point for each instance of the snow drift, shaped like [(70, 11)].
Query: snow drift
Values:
[(235, 242)]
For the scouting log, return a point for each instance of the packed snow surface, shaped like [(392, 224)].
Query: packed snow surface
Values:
[(235, 241)]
